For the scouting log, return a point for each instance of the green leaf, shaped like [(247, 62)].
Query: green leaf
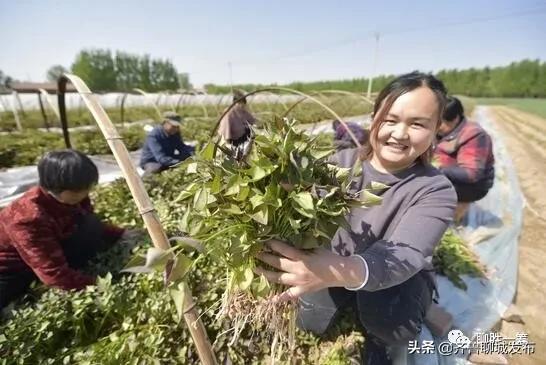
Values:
[(321, 153), (257, 173), (331, 192), (178, 295), (261, 216), (200, 199), (136, 260), (233, 186), (184, 222), (208, 152), (180, 268), (104, 283), (195, 229), (192, 168), (295, 223), (304, 200), (246, 279), (376, 186), (342, 173), (156, 258), (216, 185), (186, 193), (233, 209), (262, 168), (305, 213), (261, 286), (357, 168), (188, 243), (369, 199), (243, 193), (256, 200)]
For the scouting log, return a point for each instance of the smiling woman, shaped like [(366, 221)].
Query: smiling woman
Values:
[(381, 264)]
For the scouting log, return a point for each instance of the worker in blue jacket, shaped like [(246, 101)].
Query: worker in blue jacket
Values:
[(164, 147)]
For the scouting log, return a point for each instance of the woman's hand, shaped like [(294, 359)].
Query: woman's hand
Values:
[(311, 271)]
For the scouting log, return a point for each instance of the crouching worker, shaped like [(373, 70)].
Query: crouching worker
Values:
[(381, 265), (464, 154), (51, 231), (164, 147), (342, 138)]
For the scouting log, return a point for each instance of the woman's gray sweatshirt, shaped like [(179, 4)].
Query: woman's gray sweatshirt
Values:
[(397, 237)]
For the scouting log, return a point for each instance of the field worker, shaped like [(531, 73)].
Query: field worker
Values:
[(381, 266), (235, 125), (464, 153), (164, 147), (51, 231), (342, 138)]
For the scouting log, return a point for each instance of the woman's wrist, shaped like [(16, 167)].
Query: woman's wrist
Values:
[(355, 273)]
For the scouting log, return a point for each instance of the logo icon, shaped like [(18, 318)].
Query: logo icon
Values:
[(458, 338)]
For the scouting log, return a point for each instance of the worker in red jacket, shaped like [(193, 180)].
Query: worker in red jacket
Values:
[(464, 154), (51, 231)]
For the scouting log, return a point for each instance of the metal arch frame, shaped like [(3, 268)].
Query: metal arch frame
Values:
[(42, 110), (327, 92), (180, 99), (219, 103), (203, 107), (147, 95), (292, 91), (61, 91), (50, 103), (14, 111), (21, 109)]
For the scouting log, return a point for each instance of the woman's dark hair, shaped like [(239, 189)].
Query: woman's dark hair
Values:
[(67, 170), (386, 98), (454, 108)]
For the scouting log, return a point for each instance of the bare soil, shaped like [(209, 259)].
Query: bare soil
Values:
[(525, 137)]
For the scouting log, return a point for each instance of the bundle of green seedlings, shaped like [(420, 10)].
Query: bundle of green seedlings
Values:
[(284, 188), (453, 258)]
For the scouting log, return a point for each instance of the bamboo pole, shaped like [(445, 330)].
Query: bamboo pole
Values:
[(145, 207)]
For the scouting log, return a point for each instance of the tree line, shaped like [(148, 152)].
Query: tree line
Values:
[(526, 79), (104, 71)]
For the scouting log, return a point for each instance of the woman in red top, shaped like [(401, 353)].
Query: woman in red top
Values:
[(51, 231)]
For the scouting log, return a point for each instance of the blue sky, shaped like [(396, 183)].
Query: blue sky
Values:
[(274, 41)]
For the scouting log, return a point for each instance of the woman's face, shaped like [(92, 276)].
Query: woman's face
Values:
[(72, 197), (408, 130)]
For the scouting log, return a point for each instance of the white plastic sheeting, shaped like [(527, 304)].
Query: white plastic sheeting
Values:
[(111, 100)]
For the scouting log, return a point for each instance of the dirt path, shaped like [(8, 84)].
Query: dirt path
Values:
[(524, 135)]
